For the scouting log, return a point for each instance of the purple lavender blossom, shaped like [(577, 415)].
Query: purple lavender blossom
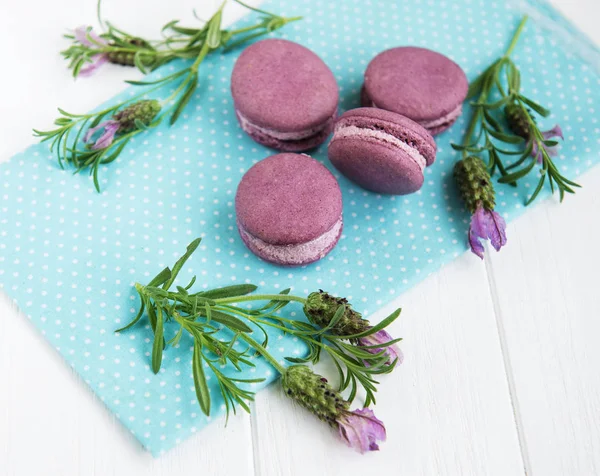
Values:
[(87, 37), (486, 224), (556, 131), (361, 430), (110, 128), (382, 337)]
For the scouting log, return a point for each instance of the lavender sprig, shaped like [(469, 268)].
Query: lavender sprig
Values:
[(359, 357), (72, 140), (476, 190), (511, 120), (89, 50)]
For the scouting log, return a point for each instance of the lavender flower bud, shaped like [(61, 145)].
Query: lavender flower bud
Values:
[(474, 183), (517, 120), (125, 58), (360, 429), (313, 392), (320, 307), (477, 191), (144, 110)]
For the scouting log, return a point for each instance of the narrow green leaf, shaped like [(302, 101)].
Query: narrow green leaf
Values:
[(551, 143), (160, 80), (182, 291), (477, 84), (161, 278), (95, 174), (537, 190), (247, 380), (297, 360), (243, 40), (213, 36), (229, 321), (507, 138), (113, 156), (542, 111), (175, 340), (517, 175), (467, 148), (184, 31), (169, 25), (158, 345), (514, 78), (135, 319), (157, 292), (139, 62), (493, 105), (228, 291), (376, 328), (492, 121), (573, 184), (274, 303), (339, 312), (508, 152), (151, 315), (202, 392), (208, 312), (187, 96), (498, 162), (181, 261), (191, 283)]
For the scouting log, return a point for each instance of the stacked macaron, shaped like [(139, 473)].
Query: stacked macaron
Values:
[(381, 151), (418, 83), (285, 96), (289, 206)]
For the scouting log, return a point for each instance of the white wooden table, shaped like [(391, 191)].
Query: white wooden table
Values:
[(502, 370)]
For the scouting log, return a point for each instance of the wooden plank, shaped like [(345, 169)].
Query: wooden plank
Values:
[(447, 409), (546, 290)]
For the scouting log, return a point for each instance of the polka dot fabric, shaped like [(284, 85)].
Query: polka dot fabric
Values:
[(69, 256)]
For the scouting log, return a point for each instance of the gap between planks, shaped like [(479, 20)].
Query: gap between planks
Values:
[(508, 371)]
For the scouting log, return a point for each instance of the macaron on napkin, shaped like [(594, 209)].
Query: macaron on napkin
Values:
[(69, 256)]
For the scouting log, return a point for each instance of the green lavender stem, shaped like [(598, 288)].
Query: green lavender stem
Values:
[(516, 37), (487, 86), (260, 297), (262, 351)]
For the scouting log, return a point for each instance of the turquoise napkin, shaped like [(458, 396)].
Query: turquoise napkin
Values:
[(69, 256)]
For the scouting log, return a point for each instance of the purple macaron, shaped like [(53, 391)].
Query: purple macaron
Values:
[(285, 96), (418, 83), (289, 209), (381, 151)]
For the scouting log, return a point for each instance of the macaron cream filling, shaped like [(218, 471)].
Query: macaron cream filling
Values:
[(247, 125), (448, 119), (296, 254), (442, 121), (348, 131)]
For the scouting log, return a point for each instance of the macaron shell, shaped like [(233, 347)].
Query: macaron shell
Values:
[(394, 124), (301, 145), (375, 166), (288, 199), (283, 86), (419, 83)]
